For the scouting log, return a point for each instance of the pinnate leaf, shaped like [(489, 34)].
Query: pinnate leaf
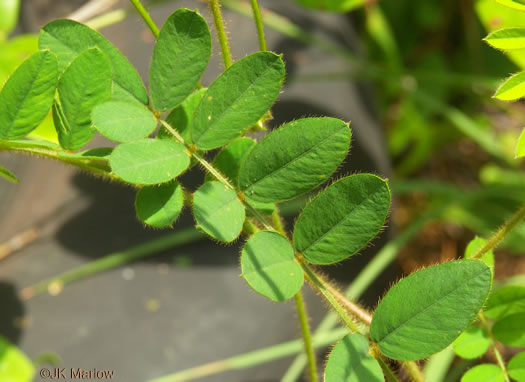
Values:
[(350, 361), (511, 330), (149, 161), (472, 343), (180, 56), (159, 206), (268, 266), (485, 372), (516, 367), (426, 311), (27, 96), (281, 166), (237, 99), (507, 38), (123, 121), (520, 147), (6, 174), (506, 301), (218, 211), (14, 365), (342, 219), (67, 39), (85, 84), (513, 88)]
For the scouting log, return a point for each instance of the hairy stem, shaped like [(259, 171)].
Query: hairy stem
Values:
[(307, 338), (259, 24), (412, 368), (221, 33), (146, 17), (497, 354)]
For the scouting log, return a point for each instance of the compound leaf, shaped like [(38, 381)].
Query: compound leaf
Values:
[(506, 301), (67, 39), (27, 96), (513, 88), (426, 311), (237, 99), (8, 175), (516, 367), (14, 365), (218, 211), (159, 206), (472, 343), (350, 361), (180, 56), (514, 4), (149, 161), (268, 266), (85, 84), (342, 219), (510, 330), (485, 372), (507, 38), (520, 147), (123, 121), (281, 166)]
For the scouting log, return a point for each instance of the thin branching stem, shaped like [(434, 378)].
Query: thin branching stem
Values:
[(146, 17), (221, 32), (259, 24), (307, 336), (497, 354)]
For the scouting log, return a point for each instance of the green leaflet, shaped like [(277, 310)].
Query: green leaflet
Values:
[(507, 38), (516, 367), (332, 5), (180, 118), (426, 311), (520, 146), (511, 330), (159, 206), (350, 361), (180, 56), (14, 365), (85, 83), (472, 343), (342, 219), (6, 174), (485, 372), (27, 95), (237, 99), (123, 121), (67, 39), (281, 166), (218, 212), (514, 4), (513, 88), (268, 266), (474, 246), (506, 301), (149, 161)]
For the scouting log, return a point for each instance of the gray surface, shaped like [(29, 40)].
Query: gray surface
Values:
[(205, 312)]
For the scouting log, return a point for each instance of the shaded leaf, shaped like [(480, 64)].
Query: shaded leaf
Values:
[(123, 121), (510, 330), (350, 361), (281, 166), (6, 174), (507, 38), (342, 219), (426, 311), (237, 99), (14, 365), (159, 206), (472, 343), (149, 161), (218, 211), (520, 146), (268, 266), (506, 301), (180, 56), (67, 39), (513, 88), (85, 84), (516, 367), (27, 96), (486, 372)]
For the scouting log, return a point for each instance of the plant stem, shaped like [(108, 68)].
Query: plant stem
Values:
[(221, 33), (305, 328), (499, 358), (259, 25), (496, 238), (146, 17), (412, 368), (389, 374)]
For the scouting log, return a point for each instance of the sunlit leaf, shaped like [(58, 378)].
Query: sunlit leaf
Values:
[(507, 38), (486, 372), (472, 343), (474, 246), (520, 147), (513, 88), (14, 365), (516, 367), (514, 4)]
